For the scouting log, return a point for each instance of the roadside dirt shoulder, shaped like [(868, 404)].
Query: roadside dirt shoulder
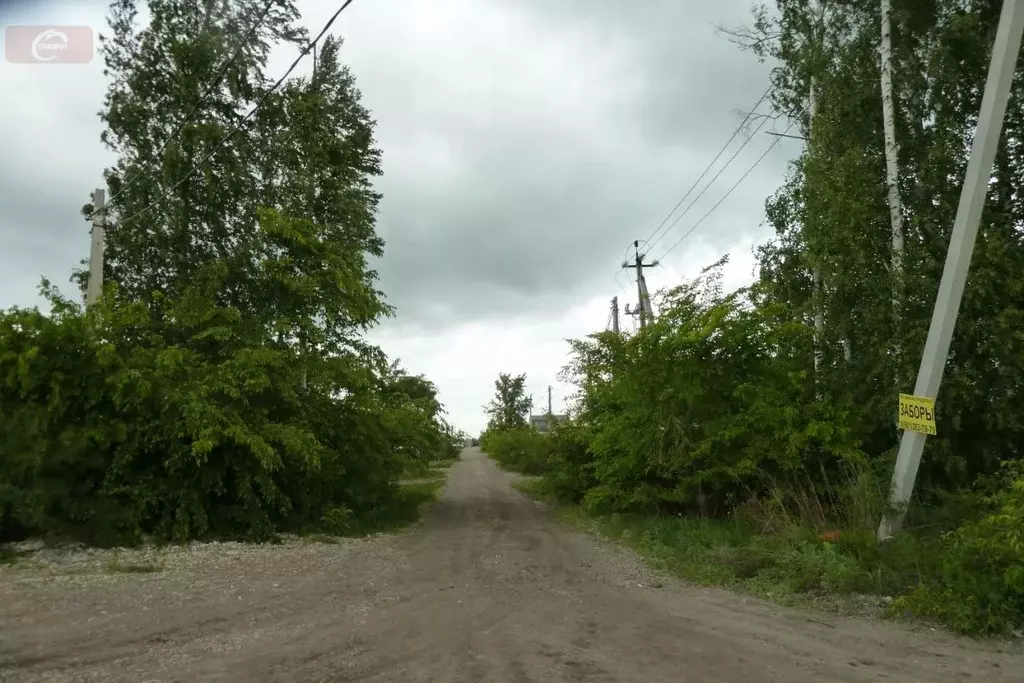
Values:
[(487, 587)]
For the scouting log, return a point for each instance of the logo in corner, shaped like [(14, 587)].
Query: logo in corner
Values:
[(48, 44)]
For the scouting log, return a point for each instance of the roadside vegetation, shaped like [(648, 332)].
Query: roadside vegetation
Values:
[(748, 438), (222, 387)]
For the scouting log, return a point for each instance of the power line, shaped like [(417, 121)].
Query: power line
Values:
[(725, 196), (202, 98), (710, 165), (248, 116), (712, 181), (618, 272)]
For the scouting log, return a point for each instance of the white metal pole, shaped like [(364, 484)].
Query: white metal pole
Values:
[(95, 289), (961, 244)]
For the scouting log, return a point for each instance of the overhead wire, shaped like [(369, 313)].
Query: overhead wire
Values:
[(618, 272), (711, 182), (728, 142), (725, 196), (248, 116), (202, 98)]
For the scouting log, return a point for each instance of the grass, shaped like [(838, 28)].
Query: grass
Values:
[(535, 487), (8, 556), (434, 468), (791, 566), (404, 508)]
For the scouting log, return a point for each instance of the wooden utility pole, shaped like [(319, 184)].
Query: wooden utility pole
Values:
[(645, 310), (95, 288), (615, 314)]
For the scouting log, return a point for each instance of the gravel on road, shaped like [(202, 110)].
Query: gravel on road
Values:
[(487, 587)]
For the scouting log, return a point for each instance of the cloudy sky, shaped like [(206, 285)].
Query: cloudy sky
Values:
[(526, 144)]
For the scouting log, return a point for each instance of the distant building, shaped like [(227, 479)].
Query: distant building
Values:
[(540, 422)]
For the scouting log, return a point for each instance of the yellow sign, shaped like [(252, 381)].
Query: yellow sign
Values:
[(917, 414)]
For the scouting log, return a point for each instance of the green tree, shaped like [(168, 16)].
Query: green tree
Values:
[(223, 384), (510, 405), (158, 76), (782, 397)]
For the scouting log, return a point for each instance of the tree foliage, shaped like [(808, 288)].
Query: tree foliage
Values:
[(222, 385), (509, 438), (510, 405), (719, 408)]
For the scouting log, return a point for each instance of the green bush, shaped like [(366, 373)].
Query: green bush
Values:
[(978, 583), (570, 462), (522, 449), (222, 384), (705, 408), (120, 424)]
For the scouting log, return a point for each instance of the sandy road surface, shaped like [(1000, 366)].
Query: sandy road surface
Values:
[(488, 587)]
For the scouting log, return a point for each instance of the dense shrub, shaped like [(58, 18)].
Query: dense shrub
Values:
[(977, 584), (223, 384), (522, 449), (778, 403), (706, 408), (569, 472), (703, 441), (112, 431)]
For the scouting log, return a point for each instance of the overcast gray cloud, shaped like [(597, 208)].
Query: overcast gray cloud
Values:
[(526, 142)]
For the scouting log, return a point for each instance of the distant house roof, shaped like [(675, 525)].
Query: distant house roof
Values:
[(540, 422)]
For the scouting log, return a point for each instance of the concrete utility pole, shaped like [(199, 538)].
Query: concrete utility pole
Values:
[(961, 244), (641, 284), (647, 310), (549, 401), (95, 288), (615, 314)]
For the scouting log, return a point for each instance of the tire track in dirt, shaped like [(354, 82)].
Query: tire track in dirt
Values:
[(487, 587)]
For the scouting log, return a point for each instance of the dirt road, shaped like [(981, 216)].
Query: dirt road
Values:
[(488, 587)]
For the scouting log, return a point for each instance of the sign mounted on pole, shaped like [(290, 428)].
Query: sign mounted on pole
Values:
[(1001, 70), (917, 414)]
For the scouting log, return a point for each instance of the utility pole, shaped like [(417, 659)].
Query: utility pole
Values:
[(549, 401), (1005, 50), (646, 301), (98, 237), (615, 314), (645, 310)]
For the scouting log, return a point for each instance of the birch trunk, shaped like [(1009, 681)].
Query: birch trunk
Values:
[(818, 13), (819, 312), (892, 174)]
